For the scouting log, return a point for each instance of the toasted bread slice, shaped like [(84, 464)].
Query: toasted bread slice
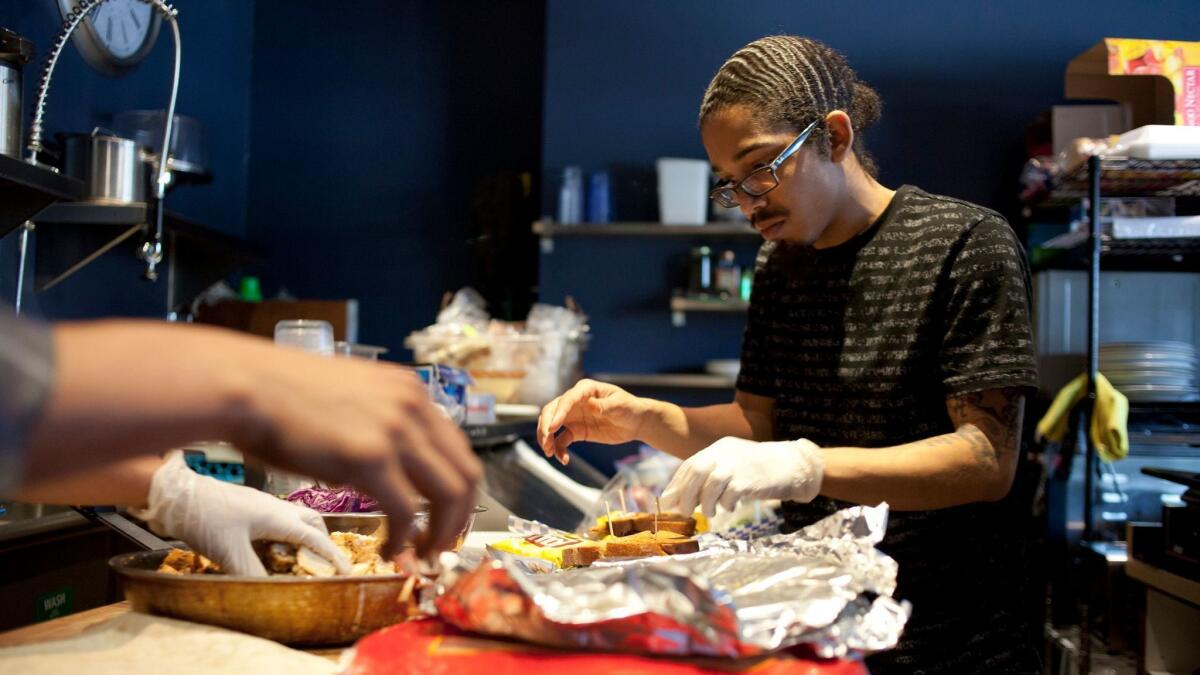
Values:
[(642, 544), (622, 524), (622, 548), (678, 547), (674, 522), (630, 523), (581, 555)]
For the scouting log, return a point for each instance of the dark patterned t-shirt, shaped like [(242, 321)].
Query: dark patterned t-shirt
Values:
[(860, 345)]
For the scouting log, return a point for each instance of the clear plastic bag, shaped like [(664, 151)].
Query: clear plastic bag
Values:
[(518, 362)]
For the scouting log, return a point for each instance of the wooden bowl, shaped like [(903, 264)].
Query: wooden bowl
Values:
[(294, 610)]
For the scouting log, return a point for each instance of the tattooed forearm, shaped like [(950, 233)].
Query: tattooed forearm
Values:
[(991, 420), (986, 454)]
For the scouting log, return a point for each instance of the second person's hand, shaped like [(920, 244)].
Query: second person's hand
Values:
[(370, 425)]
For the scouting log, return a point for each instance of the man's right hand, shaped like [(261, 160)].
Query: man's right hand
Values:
[(590, 411)]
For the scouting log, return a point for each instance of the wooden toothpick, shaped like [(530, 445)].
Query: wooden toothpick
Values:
[(621, 494), (657, 510), (608, 512)]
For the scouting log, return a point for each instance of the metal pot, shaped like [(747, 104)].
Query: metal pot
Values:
[(15, 52), (112, 168)]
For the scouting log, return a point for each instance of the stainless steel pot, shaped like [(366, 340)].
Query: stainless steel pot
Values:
[(112, 168), (15, 52)]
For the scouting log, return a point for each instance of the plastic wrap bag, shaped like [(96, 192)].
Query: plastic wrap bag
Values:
[(529, 362), (641, 477)]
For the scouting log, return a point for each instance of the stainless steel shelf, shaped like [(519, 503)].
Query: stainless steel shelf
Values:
[(1127, 255), (1127, 177)]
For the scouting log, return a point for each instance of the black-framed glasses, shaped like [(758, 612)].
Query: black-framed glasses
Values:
[(761, 180)]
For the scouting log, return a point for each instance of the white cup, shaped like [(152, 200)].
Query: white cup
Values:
[(307, 334), (683, 191)]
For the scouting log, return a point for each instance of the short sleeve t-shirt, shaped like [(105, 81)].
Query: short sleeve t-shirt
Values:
[(26, 376), (860, 345)]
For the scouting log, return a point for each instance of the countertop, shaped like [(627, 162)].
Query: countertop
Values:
[(74, 624)]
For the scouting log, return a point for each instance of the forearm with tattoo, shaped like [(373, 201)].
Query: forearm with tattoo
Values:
[(991, 421), (975, 462)]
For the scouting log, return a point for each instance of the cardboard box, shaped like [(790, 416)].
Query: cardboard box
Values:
[(1159, 79), (260, 318)]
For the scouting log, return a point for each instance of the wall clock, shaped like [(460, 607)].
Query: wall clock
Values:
[(116, 36)]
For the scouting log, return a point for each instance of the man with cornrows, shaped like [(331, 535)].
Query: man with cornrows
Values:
[(886, 357)]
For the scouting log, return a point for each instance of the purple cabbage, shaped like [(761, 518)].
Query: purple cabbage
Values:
[(334, 500)]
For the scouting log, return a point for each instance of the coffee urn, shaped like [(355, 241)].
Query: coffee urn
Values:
[(15, 52)]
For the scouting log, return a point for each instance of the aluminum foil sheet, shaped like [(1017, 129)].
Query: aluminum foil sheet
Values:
[(825, 586)]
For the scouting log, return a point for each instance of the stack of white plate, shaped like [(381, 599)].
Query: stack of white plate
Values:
[(1152, 371)]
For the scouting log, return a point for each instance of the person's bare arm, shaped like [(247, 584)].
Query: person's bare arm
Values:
[(125, 483), (685, 431), (977, 462), (132, 388)]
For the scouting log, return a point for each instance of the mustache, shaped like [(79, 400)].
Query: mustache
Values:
[(765, 216)]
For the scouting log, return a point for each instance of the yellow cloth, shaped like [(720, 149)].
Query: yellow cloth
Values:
[(1108, 428)]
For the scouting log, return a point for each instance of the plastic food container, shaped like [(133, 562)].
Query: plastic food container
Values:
[(518, 368)]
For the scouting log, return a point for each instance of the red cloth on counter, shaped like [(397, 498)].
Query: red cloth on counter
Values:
[(431, 647)]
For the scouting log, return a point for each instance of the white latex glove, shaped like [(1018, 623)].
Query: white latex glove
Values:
[(219, 520), (735, 468)]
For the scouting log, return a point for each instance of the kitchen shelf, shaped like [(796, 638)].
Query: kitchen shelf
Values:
[(71, 235), (1126, 177), (90, 213), (1127, 255), (682, 305), (1094, 180), (545, 228), (667, 380), (26, 189), (548, 231)]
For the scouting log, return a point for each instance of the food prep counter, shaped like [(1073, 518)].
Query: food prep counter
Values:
[(405, 649)]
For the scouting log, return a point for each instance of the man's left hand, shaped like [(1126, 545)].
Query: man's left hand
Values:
[(735, 468)]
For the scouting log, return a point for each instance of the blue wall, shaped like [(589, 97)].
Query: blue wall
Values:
[(214, 88), (959, 81), (372, 122)]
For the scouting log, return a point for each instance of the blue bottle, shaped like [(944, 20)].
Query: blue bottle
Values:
[(598, 204)]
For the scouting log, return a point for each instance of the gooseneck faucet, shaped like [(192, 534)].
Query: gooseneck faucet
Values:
[(152, 248)]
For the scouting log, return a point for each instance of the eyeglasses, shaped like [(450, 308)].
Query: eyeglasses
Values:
[(763, 179)]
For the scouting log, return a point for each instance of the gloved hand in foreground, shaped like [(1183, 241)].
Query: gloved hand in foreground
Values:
[(735, 468), (219, 520)]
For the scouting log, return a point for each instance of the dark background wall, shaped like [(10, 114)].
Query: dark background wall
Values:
[(386, 141), (214, 88), (959, 81), (375, 149)]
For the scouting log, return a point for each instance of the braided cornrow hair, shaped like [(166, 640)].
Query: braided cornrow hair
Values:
[(792, 80)]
